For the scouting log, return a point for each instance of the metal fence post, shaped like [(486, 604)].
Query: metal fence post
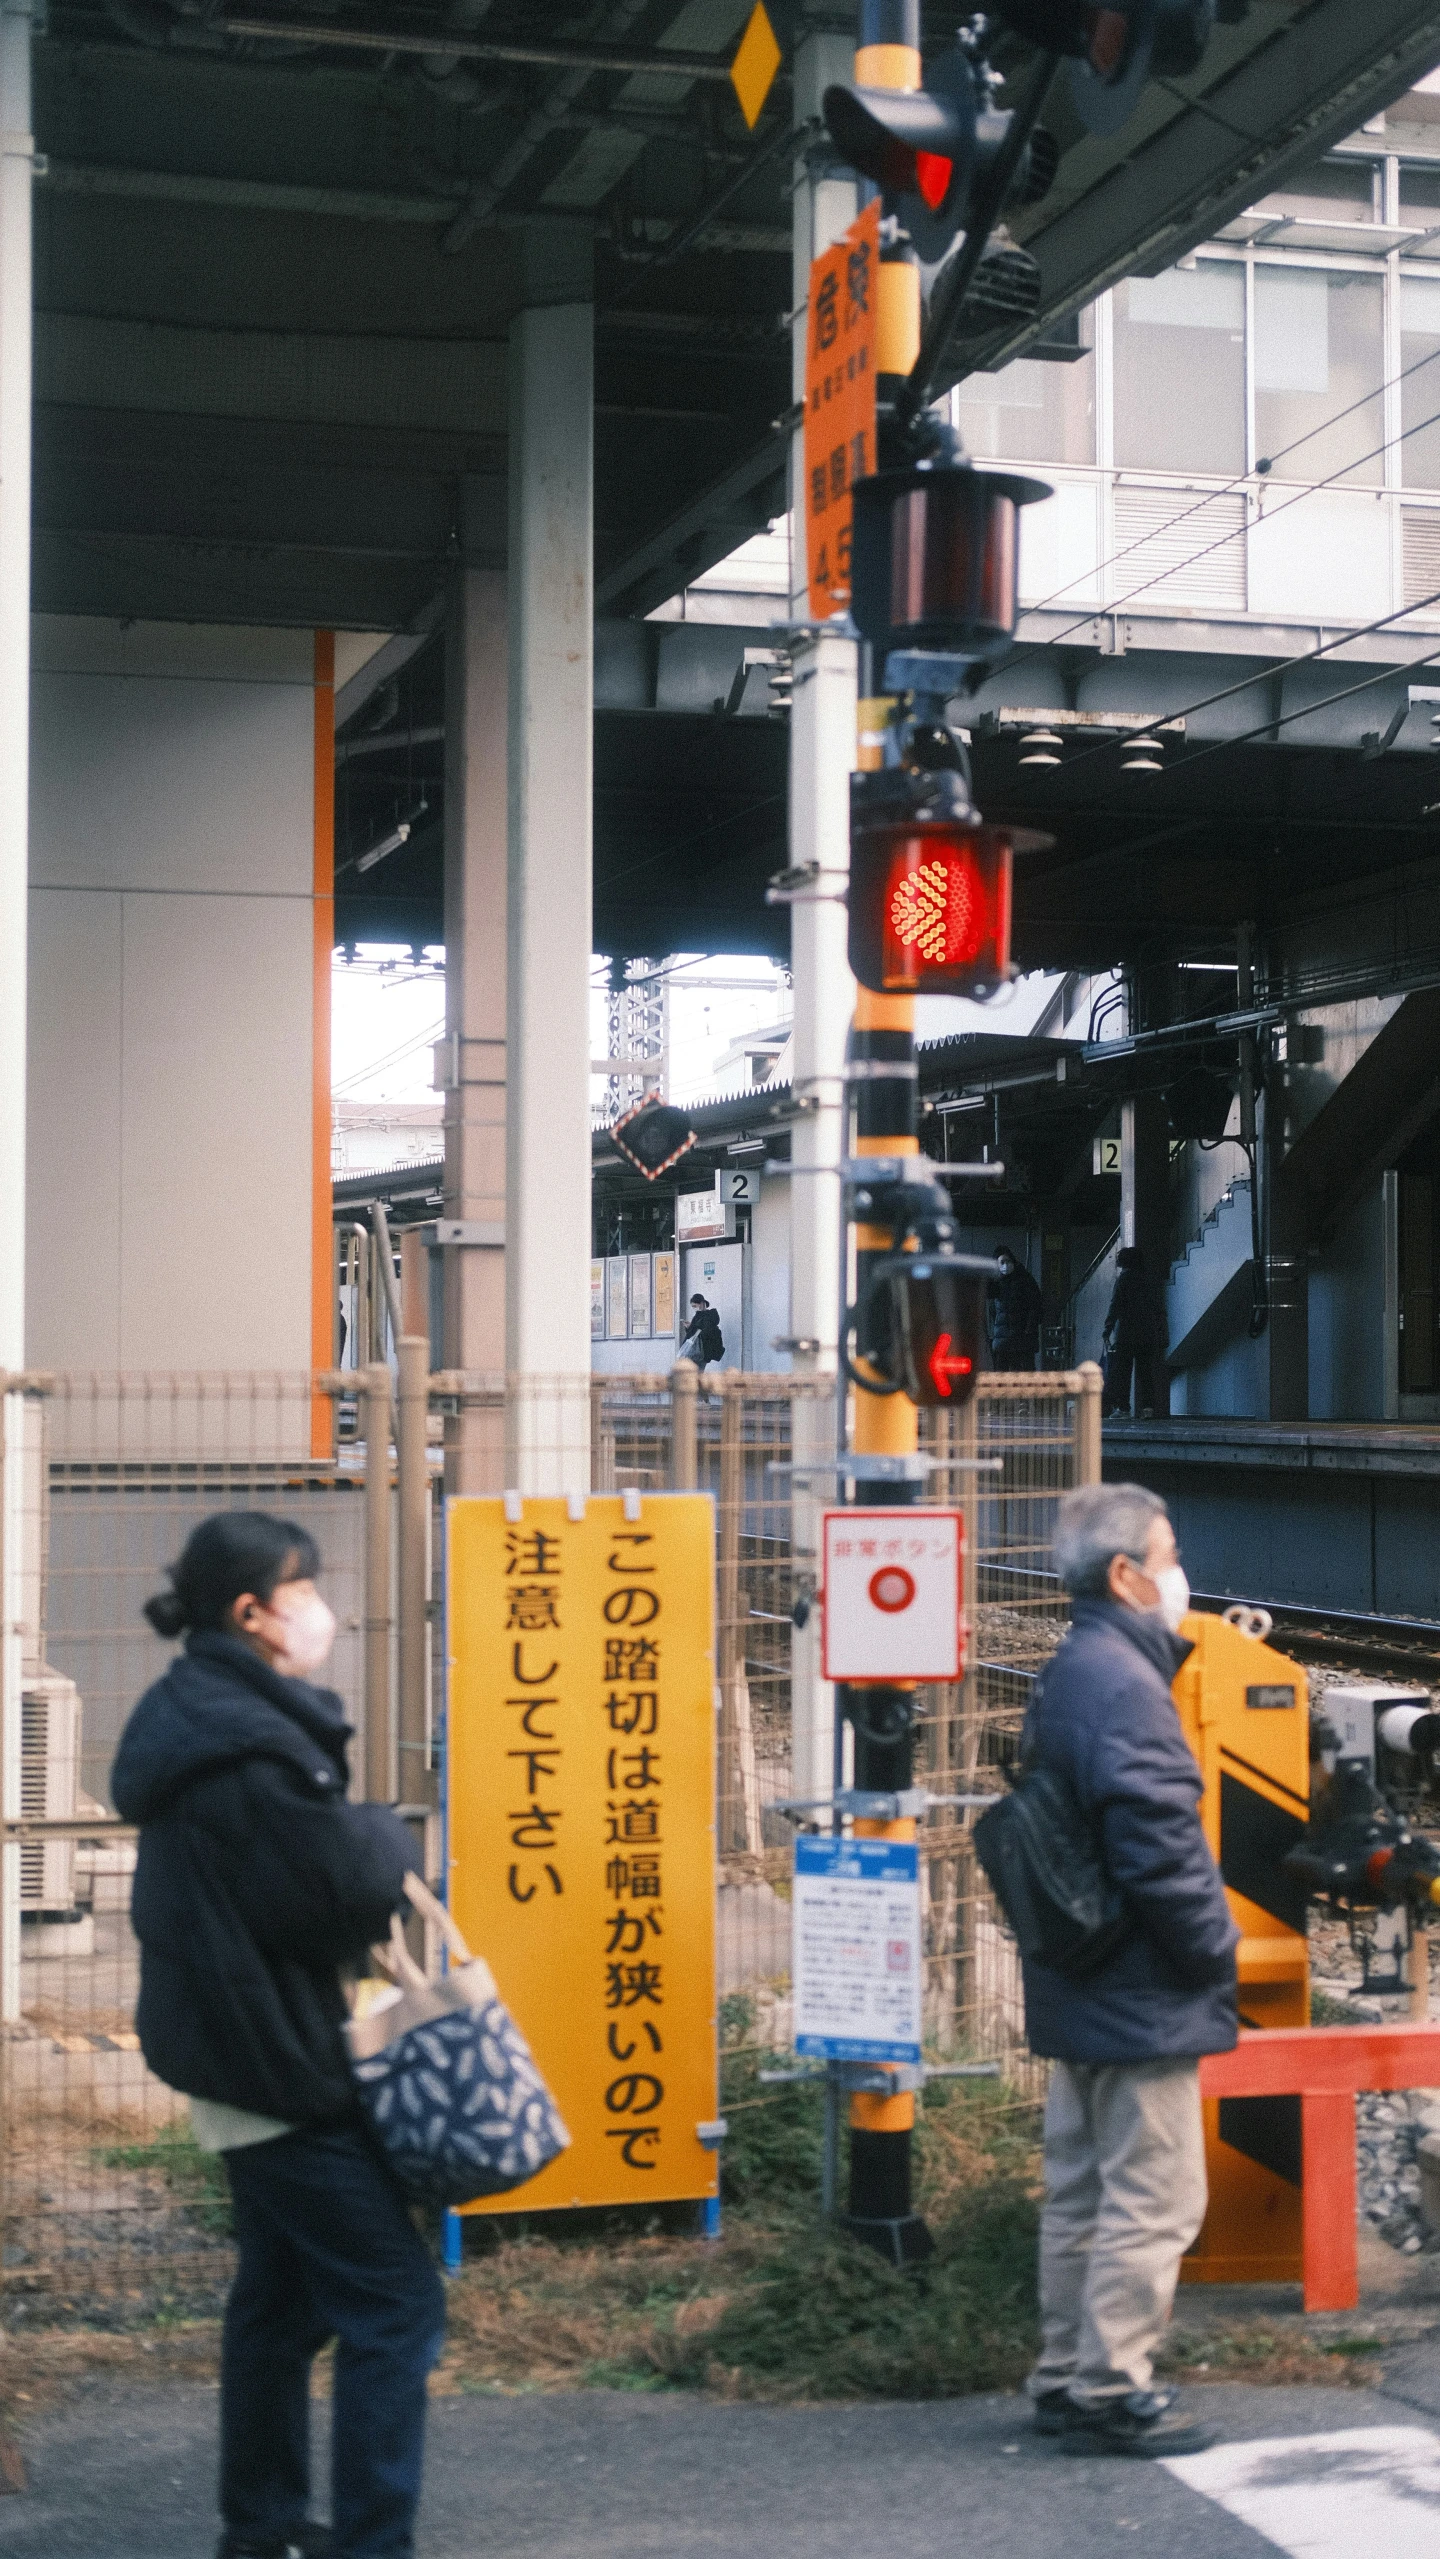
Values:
[(684, 1390), (379, 1737), (739, 1809), (413, 1594), (1087, 1422)]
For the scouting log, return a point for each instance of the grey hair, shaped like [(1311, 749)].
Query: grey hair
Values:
[(1096, 1523)]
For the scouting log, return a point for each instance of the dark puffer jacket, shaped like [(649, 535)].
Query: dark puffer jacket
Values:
[(256, 1881), (1103, 1713)]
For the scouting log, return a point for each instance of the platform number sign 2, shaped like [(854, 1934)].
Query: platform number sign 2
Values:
[(1105, 1155)]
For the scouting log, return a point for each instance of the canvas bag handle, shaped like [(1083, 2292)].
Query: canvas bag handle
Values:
[(422, 1899), (395, 1956)]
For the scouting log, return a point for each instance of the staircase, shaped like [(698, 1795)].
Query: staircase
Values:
[(1207, 1298)]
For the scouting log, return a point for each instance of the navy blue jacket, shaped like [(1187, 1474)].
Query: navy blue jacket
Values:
[(255, 1881), (1103, 1713)]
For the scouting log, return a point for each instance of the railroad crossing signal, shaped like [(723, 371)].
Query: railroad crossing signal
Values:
[(929, 904), (1114, 49), (930, 150)]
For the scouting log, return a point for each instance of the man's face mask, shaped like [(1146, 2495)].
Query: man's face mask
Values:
[(1174, 1592)]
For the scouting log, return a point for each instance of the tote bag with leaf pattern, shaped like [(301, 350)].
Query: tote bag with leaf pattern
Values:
[(445, 2079)]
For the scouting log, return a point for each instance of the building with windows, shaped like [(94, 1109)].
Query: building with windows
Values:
[(1256, 432)]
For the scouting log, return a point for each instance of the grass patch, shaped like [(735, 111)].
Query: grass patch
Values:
[(1258, 2354), (194, 2178), (782, 2308)]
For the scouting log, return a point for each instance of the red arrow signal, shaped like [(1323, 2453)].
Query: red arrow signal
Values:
[(944, 1364)]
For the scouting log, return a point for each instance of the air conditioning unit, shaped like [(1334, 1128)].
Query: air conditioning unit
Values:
[(49, 1786)]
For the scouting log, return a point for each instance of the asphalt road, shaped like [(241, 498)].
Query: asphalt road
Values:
[(121, 2472)]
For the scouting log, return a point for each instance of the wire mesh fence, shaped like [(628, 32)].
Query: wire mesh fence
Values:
[(110, 2214)]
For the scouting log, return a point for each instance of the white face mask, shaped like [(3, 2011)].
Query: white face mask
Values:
[(309, 1636), (1174, 1595)]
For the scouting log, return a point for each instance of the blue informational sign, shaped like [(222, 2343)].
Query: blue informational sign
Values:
[(856, 1959)]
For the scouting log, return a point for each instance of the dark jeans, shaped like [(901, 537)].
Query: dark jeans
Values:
[(1124, 1357), (1016, 1351), (327, 2249)]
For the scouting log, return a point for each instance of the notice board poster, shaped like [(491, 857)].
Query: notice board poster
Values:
[(617, 1296), (663, 1311), (856, 1921), (640, 1295), (582, 1821)]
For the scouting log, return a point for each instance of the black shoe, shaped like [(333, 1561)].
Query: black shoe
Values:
[(1143, 2426), (1052, 2412)]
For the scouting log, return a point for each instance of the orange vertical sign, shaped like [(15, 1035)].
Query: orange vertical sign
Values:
[(839, 404)]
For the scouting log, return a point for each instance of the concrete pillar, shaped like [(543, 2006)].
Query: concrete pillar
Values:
[(822, 753), (551, 710), (476, 829), (1145, 1196), (17, 159)]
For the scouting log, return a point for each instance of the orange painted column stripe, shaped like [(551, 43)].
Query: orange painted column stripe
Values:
[(322, 1252)]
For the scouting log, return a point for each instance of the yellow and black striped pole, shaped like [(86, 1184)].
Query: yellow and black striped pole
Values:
[(886, 1109)]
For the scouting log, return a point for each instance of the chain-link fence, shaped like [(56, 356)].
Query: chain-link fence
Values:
[(110, 2214)]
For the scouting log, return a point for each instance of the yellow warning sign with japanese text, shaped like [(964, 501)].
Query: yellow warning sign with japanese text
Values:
[(839, 404), (582, 1821)]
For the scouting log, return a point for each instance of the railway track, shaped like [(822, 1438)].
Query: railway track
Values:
[(1404, 1648)]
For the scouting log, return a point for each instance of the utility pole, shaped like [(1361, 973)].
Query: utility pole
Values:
[(928, 563), (822, 738), (884, 1105)]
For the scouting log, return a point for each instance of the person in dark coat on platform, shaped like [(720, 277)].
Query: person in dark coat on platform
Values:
[(1134, 1335), (702, 1340), (1124, 2151), (257, 1884), (1015, 1307)]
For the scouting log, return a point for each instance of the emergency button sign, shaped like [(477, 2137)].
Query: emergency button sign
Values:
[(892, 1595)]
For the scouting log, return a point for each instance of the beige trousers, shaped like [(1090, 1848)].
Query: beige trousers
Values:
[(1124, 2197)]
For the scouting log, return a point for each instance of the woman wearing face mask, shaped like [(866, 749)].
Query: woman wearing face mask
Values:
[(257, 1884)]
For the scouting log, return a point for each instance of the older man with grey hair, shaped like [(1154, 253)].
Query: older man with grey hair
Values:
[(1124, 2151)]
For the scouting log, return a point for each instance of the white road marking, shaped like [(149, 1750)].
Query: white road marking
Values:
[(1373, 2489)]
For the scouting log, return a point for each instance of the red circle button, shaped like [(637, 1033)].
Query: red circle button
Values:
[(892, 1588)]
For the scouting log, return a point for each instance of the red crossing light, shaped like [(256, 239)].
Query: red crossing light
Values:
[(930, 907), (924, 1324)]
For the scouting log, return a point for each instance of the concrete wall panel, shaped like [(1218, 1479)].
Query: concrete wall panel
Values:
[(215, 1269), (74, 1188), (171, 1039), (152, 784)]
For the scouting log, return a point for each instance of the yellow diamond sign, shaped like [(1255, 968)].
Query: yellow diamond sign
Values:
[(755, 65)]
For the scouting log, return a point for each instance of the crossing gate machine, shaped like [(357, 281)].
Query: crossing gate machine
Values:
[(1245, 1710)]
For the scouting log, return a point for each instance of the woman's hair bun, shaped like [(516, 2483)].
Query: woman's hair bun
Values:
[(167, 1613)]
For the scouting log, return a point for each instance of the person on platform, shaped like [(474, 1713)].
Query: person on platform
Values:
[(1015, 1305), (257, 1885), (702, 1340), (1134, 1336), (1125, 2189)]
